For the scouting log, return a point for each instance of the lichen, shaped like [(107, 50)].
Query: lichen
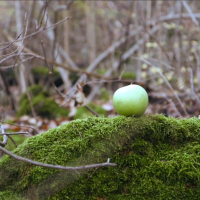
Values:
[(157, 158)]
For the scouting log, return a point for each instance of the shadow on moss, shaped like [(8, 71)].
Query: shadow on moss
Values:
[(157, 158)]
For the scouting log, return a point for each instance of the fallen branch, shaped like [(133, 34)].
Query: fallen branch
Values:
[(16, 157), (15, 133)]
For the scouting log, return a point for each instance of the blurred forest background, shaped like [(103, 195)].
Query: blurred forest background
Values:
[(77, 53)]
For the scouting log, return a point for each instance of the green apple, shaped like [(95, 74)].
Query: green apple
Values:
[(130, 100)]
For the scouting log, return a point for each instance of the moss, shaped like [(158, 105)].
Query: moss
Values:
[(43, 71), (157, 158), (129, 75), (83, 112), (43, 105)]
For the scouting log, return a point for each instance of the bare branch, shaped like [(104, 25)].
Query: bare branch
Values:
[(190, 13), (15, 133), (22, 126), (12, 41), (92, 111), (35, 33), (13, 141), (166, 81), (51, 72), (16, 157)]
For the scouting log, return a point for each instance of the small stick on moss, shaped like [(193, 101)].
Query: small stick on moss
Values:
[(92, 174), (16, 157)]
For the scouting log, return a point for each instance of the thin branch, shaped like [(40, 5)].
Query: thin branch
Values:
[(16, 157), (92, 174), (52, 82), (12, 42), (12, 140), (51, 73), (53, 63), (190, 13), (11, 66), (43, 29), (15, 133), (22, 126), (166, 81), (92, 111)]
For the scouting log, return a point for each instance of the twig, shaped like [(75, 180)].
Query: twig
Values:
[(53, 63), (92, 174), (124, 57), (22, 126), (16, 157), (92, 111), (15, 133), (52, 82), (51, 72), (12, 140), (12, 42), (190, 13), (45, 28), (166, 81)]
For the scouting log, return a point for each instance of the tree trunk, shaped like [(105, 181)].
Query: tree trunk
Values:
[(19, 27), (91, 34)]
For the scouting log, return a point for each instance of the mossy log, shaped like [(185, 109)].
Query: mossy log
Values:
[(157, 158)]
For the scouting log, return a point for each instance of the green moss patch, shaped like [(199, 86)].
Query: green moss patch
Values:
[(43, 105), (43, 71), (157, 158)]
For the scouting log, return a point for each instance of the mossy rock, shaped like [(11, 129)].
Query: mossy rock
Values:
[(43, 105), (157, 158)]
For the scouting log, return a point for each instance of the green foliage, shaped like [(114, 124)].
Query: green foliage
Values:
[(83, 112), (157, 158), (43, 105)]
